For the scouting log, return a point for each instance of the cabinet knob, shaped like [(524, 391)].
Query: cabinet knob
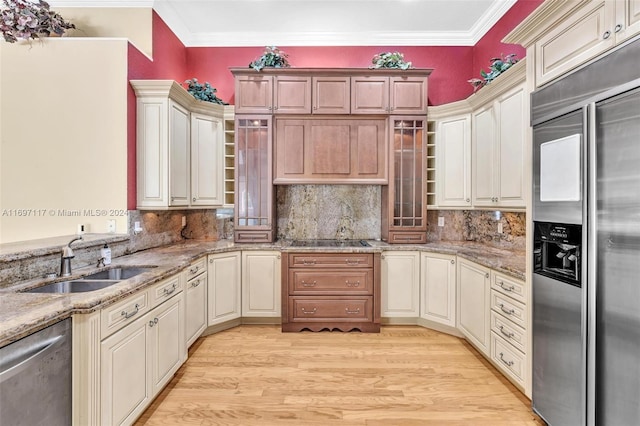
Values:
[(468, 200), (606, 35), (453, 261), (210, 260), (617, 28), (486, 275), (194, 199)]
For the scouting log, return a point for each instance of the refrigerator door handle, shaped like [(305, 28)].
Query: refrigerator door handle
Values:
[(589, 272)]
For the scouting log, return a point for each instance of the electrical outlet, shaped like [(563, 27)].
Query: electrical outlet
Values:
[(184, 221), (440, 220), (111, 226), (499, 227)]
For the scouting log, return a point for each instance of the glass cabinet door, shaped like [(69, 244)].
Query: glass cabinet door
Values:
[(254, 188), (407, 207)]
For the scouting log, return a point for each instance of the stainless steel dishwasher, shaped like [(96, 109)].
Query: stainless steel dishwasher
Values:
[(35, 378)]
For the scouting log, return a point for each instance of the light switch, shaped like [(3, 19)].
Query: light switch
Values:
[(440, 220)]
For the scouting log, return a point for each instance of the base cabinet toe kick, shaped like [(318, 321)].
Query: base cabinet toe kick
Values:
[(331, 291)]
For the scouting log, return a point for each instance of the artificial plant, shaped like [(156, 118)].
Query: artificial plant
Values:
[(498, 66)]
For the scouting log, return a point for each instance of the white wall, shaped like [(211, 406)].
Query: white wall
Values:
[(63, 130)]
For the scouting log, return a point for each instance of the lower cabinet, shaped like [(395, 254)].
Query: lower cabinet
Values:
[(473, 303), (224, 287), (138, 361), (196, 307), (400, 280), (438, 291), (261, 272)]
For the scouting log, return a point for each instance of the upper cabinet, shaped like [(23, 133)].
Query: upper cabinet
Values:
[(453, 165), (376, 94), (179, 147), (268, 94), (331, 94), (563, 35)]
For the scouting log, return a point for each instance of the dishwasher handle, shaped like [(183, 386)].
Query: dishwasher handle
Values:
[(22, 361)]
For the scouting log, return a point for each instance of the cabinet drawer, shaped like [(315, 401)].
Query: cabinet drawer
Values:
[(407, 237), (509, 286), (509, 331), (196, 268), (114, 317), (359, 281), (509, 308), (253, 236), (165, 290), (337, 260), (511, 361), (307, 309)]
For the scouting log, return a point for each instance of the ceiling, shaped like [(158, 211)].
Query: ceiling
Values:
[(320, 22)]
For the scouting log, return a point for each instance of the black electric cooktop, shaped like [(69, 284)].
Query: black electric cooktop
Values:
[(330, 243)]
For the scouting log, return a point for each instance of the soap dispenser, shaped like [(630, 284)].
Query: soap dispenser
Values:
[(105, 254)]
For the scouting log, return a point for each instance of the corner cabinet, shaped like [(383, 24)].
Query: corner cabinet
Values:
[(400, 284), (261, 284), (224, 287), (438, 291), (179, 148), (404, 208), (254, 205)]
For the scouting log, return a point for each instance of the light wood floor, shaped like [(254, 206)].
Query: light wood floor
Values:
[(256, 375)]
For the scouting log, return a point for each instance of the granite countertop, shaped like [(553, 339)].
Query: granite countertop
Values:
[(25, 313)]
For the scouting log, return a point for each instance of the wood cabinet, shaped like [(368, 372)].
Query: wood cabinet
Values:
[(340, 150), (331, 95), (195, 303), (379, 94), (473, 304), (138, 360), (498, 150), (453, 165), (400, 284), (254, 208), (438, 288), (404, 209), (179, 148), (266, 94), (261, 283), (224, 298), (331, 291)]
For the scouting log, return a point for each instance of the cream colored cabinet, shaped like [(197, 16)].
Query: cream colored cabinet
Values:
[(584, 34), (453, 161), (400, 284), (179, 148), (224, 297), (498, 150), (196, 305), (139, 359), (207, 160), (438, 288), (261, 282), (473, 303)]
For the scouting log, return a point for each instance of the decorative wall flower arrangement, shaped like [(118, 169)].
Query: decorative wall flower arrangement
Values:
[(272, 57), (204, 92), (25, 20), (390, 60), (498, 66)]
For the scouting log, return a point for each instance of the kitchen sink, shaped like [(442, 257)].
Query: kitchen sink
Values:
[(91, 282), (75, 286), (120, 273)]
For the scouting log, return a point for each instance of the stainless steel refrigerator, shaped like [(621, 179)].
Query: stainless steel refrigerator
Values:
[(586, 213)]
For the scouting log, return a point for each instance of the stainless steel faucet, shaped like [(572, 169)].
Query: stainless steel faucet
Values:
[(67, 255)]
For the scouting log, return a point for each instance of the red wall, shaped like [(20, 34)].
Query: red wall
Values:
[(450, 64), (170, 63), (490, 45)]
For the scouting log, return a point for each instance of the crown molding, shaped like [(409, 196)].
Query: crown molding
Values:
[(102, 3), (451, 109), (503, 83), (545, 15), (489, 19)]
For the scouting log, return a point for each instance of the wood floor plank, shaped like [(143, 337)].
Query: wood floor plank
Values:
[(257, 375)]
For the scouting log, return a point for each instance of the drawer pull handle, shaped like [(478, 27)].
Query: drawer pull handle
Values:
[(506, 288), (352, 284), (309, 261), (195, 283), (311, 284), (506, 311), (153, 322), (357, 311), (194, 270), (508, 335), (169, 291), (606, 35), (352, 261), (128, 315), (507, 363), (309, 312)]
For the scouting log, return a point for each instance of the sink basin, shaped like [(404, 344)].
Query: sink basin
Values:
[(75, 286), (121, 273)]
